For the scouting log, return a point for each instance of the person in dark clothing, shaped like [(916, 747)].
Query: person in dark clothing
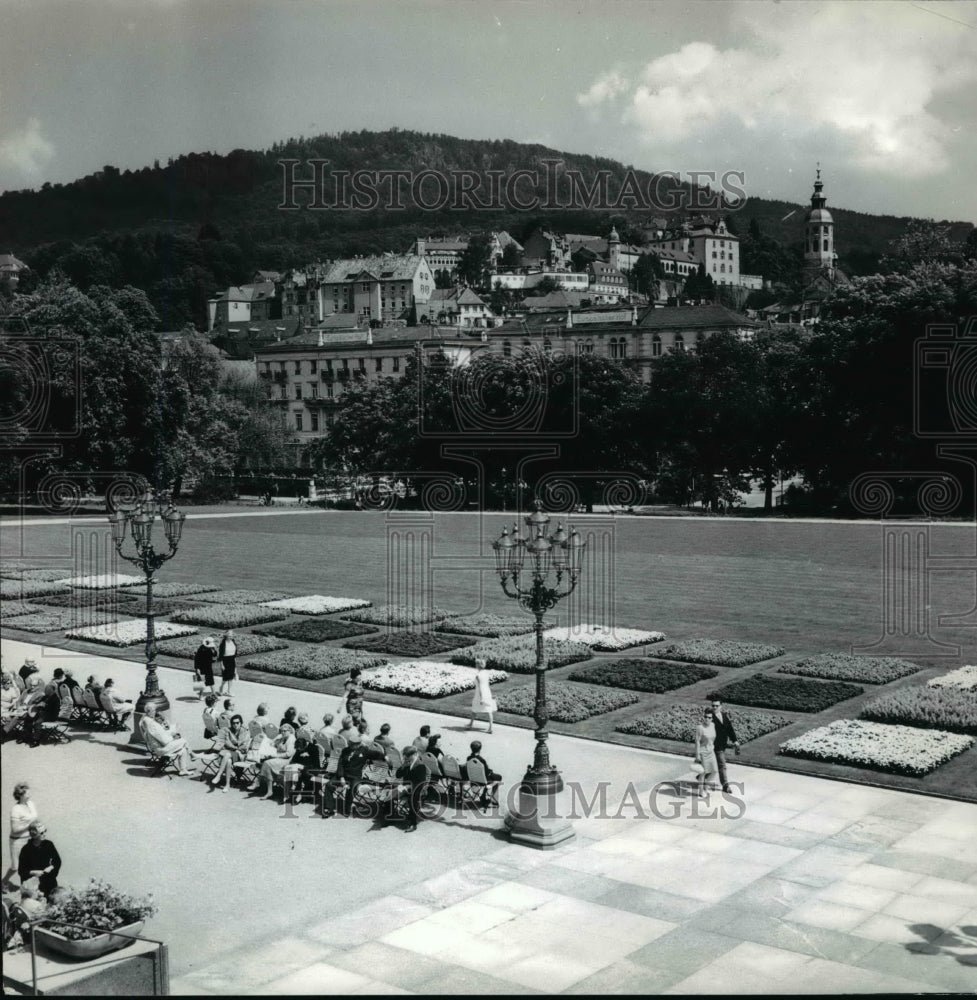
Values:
[(354, 758), (415, 773), (476, 754), (725, 738), (203, 662), (39, 859), (299, 770)]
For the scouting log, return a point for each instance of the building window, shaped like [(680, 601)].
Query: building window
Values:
[(714, 255), (362, 364), (379, 364), (656, 346), (298, 421), (588, 347), (345, 364), (298, 367), (396, 364), (329, 391), (313, 421), (506, 349), (312, 367), (825, 244), (679, 342), (298, 390), (328, 364), (283, 392), (314, 390), (722, 268)]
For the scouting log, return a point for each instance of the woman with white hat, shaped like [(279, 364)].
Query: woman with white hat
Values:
[(203, 664)]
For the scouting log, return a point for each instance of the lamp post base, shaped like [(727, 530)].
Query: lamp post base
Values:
[(162, 703), (537, 821)]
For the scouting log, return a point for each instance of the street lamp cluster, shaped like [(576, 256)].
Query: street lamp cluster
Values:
[(139, 518), (525, 565)]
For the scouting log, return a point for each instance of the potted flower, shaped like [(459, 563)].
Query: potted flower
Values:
[(79, 923)]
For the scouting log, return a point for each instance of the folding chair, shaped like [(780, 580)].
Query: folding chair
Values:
[(394, 758), (436, 782), (211, 757), (20, 682), (325, 785), (70, 711), (292, 780), (337, 743), (245, 771), (478, 782), (112, 717), (372, 790), (84, 712), (455, 781), (95, 710), (159, 762), (42, 731)]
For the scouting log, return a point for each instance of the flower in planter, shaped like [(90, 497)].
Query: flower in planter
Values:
[(100, 908)]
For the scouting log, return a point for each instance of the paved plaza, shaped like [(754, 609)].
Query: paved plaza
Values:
[(812, 886)]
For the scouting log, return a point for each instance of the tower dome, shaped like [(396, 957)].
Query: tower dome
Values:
[(819, 249)]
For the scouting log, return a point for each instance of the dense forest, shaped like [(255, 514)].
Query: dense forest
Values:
[(204, 221)]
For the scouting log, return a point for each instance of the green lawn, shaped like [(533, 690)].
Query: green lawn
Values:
[(808, 587)]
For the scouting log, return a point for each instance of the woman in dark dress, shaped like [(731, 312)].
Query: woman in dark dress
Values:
[(39, 859), (203, 662), (354, 696), (227, 652)]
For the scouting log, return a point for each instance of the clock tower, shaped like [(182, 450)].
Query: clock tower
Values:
[(819, 236)]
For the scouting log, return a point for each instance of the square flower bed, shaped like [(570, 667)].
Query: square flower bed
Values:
[(127, 633), (313, 664), (722, 652), (792, 694), (100, 600), (14, 567), (22, 590), (59, 619), (927, 707), (963, 678), (517, 655), (603, 637), (893, 749), (44, 575), (399, 616), (678, 722), (13, 609), (567, 702), (841, 667), (228, 615), (315, 630), (241, 596), (248, 644), (317, 604), (643, 675), (487, 626), (411, 643), (427, 678), (104, 581), (174, 588)]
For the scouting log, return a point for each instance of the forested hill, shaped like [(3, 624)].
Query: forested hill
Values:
[(204, 221)]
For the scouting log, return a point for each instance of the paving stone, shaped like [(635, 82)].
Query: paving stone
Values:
[(455, 980), (567, 882), (926, 864), (651, 902), (681, 952), (389, 964), (368, 922), (942, 971)]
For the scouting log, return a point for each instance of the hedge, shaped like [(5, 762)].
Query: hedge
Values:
[(411, 643), (842, 667), (643, 675), (315, 630), (678, 722), (928, 707), (518, 655), (313, 664), (722, 652), (567, 702), (794, 695)]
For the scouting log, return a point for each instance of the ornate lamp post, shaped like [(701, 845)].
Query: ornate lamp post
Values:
[(140, 518), (524, 566)]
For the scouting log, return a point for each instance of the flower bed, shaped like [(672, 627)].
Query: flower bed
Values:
[(567, 702), (13, 609), (722, 652), (517, 655), (103, 581), (678, 722), (14, 567), (317, 604), (97, 906), (44, 575), (314, 664), (643, 675), (173, 588), (928, 707), (316, 630), (241, 597), (399, 616), (841, 667), (894, 749), (411, 643), (427, 678), (487, 626), (100, 600), (604, 638), (228, 615), (793, 694), (963, 679), (58, 619), (127, 633), (19, 590), (248, 644)]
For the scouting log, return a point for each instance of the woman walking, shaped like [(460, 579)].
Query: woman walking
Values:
[(705, 752), (483, 703), (227, 654)]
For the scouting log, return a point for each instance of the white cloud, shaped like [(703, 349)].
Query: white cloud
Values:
[(863, 78), (27, 150)]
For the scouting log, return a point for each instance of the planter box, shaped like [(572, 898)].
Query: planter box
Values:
[(87, 948)]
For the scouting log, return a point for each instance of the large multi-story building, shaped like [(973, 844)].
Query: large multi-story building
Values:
[(443, 253), (383, 288), (707, 242)]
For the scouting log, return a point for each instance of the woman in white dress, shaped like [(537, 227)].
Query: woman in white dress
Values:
[(705, 752), (22, 814), (483, 703)]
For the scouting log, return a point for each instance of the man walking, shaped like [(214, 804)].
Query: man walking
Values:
[(725, 738)]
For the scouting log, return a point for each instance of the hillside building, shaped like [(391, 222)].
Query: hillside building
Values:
[(383, 288)]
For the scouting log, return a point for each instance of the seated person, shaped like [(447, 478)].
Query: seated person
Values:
[(122, 707), (10, 713), (434, 746), (304, 762), (383, 737), (476, 754), (236, 743), (32, 708), (94, 685), (346, 727), (284, 748), (69, 679), (26, 911), (31, 901), (304, 729), (211, 725), (352, 762), (328, 729), (224, 718), (421, 740), (164, 740), (39, 859), (290, 718), (261, 717), (29, 667), (53, 684)]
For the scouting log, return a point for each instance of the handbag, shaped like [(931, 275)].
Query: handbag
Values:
[(198, 683), (697, 768)]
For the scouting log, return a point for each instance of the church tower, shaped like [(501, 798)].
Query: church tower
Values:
[(614, 248), (819, 236)]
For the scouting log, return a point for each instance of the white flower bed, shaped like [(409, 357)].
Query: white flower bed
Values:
[(128, 633), (428, 678), (22, 590), (317, 604), (964, 678), (603, 637), (884, 747), (103, 581)]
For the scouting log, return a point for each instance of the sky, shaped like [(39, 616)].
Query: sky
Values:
[(883, 95)]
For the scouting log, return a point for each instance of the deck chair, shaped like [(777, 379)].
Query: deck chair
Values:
[(41, 730), (20, 682), (245, 771), (478, 782), (161, 762), (255, 728)]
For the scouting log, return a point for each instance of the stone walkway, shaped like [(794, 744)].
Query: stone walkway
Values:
[(809, 886)]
